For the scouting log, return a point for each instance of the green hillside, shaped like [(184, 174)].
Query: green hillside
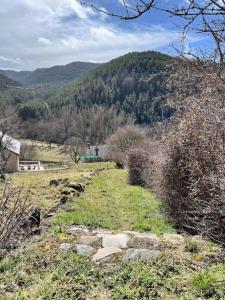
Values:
[(133, 86), (53, 75), (133, 83), (6, 81), (12, 93)]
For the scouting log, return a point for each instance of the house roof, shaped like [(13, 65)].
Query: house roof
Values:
[(11, 144)]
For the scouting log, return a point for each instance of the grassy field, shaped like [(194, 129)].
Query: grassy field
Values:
[(110, 202), (41, 193), (48, 152), (42, 272)]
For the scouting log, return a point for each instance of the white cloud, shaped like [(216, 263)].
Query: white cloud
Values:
[(44, 41), (48, 32)]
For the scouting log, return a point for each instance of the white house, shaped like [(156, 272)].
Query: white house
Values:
[(10, 152)]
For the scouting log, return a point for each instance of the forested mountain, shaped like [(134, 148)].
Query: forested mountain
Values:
[(12, 93), (54, 75), (133, 83), (132, 87)]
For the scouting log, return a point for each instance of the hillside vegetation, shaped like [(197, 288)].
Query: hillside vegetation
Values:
[(38, 84), (133, 83), (12, 93), (131, 88), (5, 81)]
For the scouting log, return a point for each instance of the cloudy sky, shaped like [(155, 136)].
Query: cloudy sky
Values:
[(42, 33)]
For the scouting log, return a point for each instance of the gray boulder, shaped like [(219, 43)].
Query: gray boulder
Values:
[(65, 247), (144, 241), (141, 254), (90, 240), (84, 250), (107, 254), (115, 240), (75, 230)]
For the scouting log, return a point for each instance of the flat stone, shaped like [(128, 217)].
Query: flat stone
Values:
[(141, 254), (90, 240), (107, 254), (115, 240), (102, 232), (144, 241), (77, 230), (84, 250), (173, 239), (65, 247)]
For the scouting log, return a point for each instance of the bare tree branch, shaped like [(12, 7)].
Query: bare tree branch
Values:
[(204, 17)]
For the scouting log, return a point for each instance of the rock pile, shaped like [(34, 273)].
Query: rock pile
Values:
[(104, 246)]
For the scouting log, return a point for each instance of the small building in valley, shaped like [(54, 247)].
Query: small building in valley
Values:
[(9, 152), (98, 150)]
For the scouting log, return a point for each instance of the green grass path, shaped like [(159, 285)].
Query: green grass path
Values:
[(42, 272), (111, 203)]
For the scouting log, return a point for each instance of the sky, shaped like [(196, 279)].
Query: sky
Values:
[(43, 33)]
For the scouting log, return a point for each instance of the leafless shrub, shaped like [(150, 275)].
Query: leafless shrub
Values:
[(193, 174), (143, 164), (137, 163), (124, 139), (75, 146), (14, 209)]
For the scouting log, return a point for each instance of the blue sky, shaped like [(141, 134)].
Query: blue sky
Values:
[(42, 33)]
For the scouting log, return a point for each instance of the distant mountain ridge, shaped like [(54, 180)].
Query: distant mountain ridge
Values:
[(6, 81), (56, 75)]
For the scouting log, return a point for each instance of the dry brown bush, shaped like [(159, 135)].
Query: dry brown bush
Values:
[(14, 211), (124, 139), (143, 164), (137, 163), (193, 173)]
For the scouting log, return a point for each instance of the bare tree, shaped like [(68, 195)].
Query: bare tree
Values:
[(76, 147)]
